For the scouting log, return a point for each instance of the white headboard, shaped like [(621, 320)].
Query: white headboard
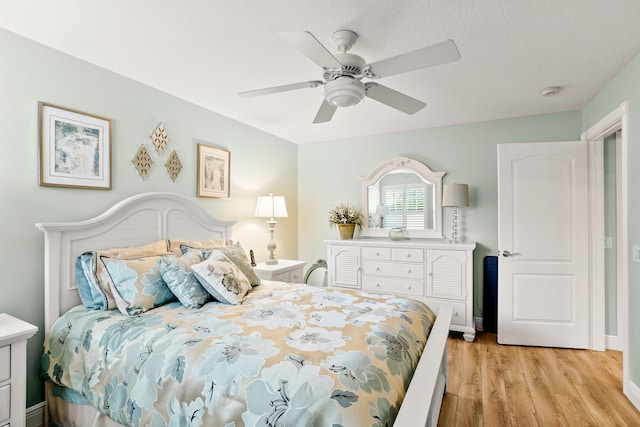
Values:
[(137, 220)]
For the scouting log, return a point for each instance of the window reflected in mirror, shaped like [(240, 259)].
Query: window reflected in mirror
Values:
[(402, 199), (403, 193)]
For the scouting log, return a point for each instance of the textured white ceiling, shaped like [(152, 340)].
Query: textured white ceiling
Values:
[(206, 51)]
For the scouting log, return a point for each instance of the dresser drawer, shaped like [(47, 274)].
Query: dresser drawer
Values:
[(5, 363), (459, 310), (5, 402), (392, 269), (393, 286), (376, 253), (408, 255)]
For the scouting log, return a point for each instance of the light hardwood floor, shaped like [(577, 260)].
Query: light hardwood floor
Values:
[(494, 385)]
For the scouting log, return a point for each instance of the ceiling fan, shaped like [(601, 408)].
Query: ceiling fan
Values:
[(343, 73)]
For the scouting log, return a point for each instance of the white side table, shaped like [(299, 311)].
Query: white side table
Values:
[(286, 270), (14, 334)]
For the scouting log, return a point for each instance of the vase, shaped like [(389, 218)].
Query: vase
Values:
[(346, 231), (397, 233)]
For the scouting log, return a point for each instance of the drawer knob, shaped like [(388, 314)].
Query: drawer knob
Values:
[(377, 268), (409, 270), (377, 253), (408, 288), (377, 285), (408, 255)]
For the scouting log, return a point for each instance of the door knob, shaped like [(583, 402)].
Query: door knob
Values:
[(508, 254)]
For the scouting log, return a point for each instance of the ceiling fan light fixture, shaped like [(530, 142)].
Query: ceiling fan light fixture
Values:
[(344, 91)]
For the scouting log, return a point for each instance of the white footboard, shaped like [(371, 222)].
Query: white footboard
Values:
[(429, 381)]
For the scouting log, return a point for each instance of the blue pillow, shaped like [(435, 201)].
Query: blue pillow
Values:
[(90, 293), (177, 273)]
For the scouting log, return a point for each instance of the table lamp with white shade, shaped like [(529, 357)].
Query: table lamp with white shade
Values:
[(271, 207), (455, 196)]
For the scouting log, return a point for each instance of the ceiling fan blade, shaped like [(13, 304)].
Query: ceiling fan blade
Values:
[(325, 113), (437, 54), (306, 43), (284, 88), (393, 99)]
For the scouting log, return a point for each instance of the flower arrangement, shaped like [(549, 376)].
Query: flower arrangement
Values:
[(344, 213)]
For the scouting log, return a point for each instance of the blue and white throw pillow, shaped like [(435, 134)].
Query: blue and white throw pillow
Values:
[(177, 273)]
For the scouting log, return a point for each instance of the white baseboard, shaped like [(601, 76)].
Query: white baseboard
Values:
[(633, 394), (611, 343), (35, 415)]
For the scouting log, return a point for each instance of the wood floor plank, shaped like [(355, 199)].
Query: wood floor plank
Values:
[(508, 357), (548, 411), (559, 378), (454, 360), (520, 403), (498, 385), (570, 365), (448, 410), (494, 398), (598, 404), (469, 407), (588, 360), (576, 412)]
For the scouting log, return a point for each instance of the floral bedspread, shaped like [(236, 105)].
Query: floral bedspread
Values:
[(290, 355)]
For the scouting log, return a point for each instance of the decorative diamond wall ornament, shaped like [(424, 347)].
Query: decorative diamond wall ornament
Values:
[(160, 138), (142, 161), (173, 165)]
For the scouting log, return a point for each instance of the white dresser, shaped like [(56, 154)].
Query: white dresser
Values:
[(433, 272), (14, 334)]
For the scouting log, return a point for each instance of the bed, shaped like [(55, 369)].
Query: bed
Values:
[(161, 216)]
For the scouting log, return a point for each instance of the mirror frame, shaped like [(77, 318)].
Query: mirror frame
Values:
[(422, 171)]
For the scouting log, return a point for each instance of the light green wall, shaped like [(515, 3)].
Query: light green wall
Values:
[(328, 173), (625, 86), (260, 163)]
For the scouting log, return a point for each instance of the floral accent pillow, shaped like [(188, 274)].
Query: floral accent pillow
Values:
[(137, 284), (238, 256), (222, 278), (177, 273)]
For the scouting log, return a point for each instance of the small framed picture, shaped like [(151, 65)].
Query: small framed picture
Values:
[(75, 149), (214, 167)]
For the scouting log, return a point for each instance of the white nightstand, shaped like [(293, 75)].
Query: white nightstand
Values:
[(286, 270), (14, 334)]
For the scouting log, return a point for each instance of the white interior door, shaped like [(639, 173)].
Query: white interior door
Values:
[(543, 237)]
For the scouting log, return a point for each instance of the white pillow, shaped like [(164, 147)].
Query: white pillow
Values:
[(222, 278)]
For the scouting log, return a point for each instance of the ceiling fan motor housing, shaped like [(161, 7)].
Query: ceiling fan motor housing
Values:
[(343, 87)]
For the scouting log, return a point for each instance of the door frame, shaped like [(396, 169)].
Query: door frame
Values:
[(615, 121)]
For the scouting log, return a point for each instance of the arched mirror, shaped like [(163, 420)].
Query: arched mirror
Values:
[(402, 192)]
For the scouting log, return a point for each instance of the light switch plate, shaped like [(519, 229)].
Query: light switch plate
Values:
[(635, 250)]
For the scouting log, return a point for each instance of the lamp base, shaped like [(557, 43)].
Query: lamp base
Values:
[(455, 234), (271, 246)]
